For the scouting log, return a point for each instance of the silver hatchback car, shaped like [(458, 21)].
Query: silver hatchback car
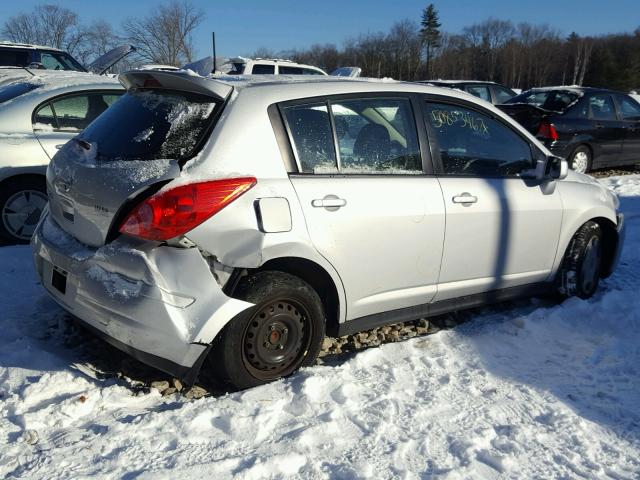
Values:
[(226, 225)]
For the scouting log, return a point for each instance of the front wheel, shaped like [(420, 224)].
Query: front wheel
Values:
[(281, 333), (581, 159), (581, 268)]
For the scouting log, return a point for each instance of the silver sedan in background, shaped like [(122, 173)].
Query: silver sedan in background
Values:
[(38, 115)]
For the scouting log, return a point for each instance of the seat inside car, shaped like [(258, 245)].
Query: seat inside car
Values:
[(373, 142)]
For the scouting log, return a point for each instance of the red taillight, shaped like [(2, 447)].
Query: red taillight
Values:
[(547, 130), (173, 212)]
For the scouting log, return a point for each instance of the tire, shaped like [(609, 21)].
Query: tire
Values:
[(581, 269), (21, 203), (581, 160), (273, 339)]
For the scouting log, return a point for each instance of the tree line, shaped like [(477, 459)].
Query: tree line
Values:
[(164, 36), (519, 55)]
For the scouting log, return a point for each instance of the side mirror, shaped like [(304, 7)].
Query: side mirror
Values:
[(556, 168)]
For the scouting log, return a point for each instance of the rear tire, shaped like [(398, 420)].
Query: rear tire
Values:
[(22, 201), (273, 339), (582, 265), (581, 159)]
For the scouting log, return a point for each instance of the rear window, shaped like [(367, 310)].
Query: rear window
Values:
[(552, 100), (152, 125), (14, 90)]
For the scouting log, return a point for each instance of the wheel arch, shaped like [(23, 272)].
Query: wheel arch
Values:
[(319, 279), (610, 244), (605, 217)]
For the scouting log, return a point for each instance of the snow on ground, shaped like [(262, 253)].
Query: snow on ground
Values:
[(531, 390)]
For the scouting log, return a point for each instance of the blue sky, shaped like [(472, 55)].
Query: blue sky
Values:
[(242, 27)]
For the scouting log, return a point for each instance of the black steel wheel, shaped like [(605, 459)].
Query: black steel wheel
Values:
[(276, 338), (281, 333)]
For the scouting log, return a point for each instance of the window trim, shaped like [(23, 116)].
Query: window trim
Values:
[(494, 92), (536, 153), (62, 96), (285, 139), (617, 101)]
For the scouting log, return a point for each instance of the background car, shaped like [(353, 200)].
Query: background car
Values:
[(38, 115), (590, 127), (489, 91), (20, 60), (234, 241), (37, 56), (268, 66)]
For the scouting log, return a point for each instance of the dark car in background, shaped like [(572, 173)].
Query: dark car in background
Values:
[(590, 127), (490, 91), (35, 56)]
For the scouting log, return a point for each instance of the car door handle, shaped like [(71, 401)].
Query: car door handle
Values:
[(59, 146), (599, 125), (329, 202), (464, 198)]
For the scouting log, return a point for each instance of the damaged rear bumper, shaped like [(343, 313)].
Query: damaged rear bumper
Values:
[(160, 304)]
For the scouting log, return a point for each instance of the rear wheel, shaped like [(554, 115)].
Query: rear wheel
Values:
[(581, 268), (22, 201), (281, 333), (581, 159)]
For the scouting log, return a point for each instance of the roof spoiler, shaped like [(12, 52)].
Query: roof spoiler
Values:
[(180, 81)]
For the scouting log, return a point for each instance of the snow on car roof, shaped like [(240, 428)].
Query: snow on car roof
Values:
[(30, 46), (457, 81)]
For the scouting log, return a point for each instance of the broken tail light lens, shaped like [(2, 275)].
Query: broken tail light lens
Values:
[(175, 211)]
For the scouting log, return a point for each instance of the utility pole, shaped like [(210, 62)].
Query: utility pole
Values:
[(213, 40)]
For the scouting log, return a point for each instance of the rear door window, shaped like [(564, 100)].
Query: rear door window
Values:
[(310, 127), (73, 112), (261, 69), (372, 136), (290, 70), (151, 124), (472, 143), (44, 119), (376, 136), (602, 107), (629, 108)]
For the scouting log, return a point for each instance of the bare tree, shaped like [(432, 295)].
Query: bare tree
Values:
[(48, 25), (165, 36)]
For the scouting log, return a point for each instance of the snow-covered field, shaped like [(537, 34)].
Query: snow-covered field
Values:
[(532, 390)]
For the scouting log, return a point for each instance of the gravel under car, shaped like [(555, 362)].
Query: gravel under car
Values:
[(225, 226)]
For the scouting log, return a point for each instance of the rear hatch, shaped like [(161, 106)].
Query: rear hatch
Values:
[(531, 107), (131, 150), (529, 116)]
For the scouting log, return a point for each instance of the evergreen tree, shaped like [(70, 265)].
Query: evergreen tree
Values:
[(430, 33)]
